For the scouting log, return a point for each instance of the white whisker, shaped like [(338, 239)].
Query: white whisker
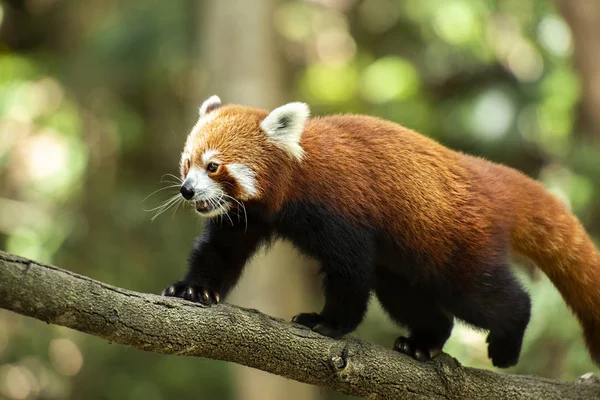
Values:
[(171, 176), (242, 206), (172, 182), (159, 190), (226, 213), (170, 202), (229, 218), (180, 202), (164, 203), (214, 205)]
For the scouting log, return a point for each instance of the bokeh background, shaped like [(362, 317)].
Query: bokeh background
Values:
[(97, 97)]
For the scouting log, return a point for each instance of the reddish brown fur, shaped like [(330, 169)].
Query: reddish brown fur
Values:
[(430, 198)]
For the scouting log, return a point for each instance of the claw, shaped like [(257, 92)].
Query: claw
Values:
[(434, 352), (189, 293), (307, 319), (170, 291), (415, 350), (421, 355), (205, 295), (192, 292), (402, 345), (327, 330)]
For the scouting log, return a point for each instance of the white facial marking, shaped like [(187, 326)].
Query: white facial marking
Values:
[(204, 187), (209, 156), (284, 126), (244, 176)]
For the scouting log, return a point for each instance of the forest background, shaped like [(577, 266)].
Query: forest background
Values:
[(97, 97)]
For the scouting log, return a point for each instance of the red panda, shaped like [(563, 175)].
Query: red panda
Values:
[(386, 210)]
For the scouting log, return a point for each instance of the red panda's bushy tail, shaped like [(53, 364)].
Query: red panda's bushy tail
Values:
[(554, 239)]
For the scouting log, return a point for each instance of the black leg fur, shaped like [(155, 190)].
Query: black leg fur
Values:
[(346, 254), (495, 301), (412, 306), (347, 293), (217, 259)]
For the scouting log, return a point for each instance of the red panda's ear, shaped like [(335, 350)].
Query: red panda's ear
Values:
[(284, 126), (210, 104)]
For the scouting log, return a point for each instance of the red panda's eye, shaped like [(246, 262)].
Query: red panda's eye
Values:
[(212, 167)]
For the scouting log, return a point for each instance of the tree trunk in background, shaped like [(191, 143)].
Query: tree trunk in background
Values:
[(239, 49), (583, 17)]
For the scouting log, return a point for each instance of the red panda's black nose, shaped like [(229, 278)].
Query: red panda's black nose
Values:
[(187, 191)]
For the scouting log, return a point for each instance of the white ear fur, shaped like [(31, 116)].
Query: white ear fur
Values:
[(284, 126), (210, 104)]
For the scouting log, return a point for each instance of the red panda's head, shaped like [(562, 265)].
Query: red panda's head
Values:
[(235, 154)]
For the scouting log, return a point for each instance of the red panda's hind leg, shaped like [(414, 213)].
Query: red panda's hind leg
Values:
[(416, 308), (494, 300)]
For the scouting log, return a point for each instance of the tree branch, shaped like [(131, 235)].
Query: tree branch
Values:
[(225, 332)]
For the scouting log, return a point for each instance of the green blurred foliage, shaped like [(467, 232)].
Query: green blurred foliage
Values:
[(95, 103)]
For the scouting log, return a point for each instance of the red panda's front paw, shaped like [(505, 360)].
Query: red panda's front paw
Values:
[(310, 320), (192, 292), (316, 322)]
